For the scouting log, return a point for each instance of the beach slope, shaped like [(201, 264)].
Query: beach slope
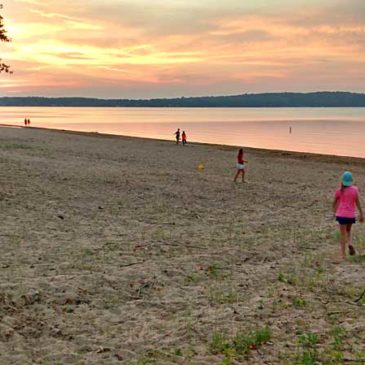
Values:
[(118, 250)]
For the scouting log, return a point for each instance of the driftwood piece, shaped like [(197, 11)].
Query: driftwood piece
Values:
[(360, 297)]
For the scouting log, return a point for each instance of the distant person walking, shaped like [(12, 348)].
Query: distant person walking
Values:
[(25, 122), (183, 138), (177, 135), (28, 122), (344, 206), (241, 166)]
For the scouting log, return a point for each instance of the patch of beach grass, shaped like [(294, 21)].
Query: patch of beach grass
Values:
[(15, 146), (314, 349), (240, 345), (222, 295), (307, 351), (299, 302), (311, 274), (160, 356), (357, 259)]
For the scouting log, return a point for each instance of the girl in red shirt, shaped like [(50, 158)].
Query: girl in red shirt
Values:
[(183, 138), (241, 166)]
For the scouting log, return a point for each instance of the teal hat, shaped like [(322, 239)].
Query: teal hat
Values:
[(347, 178)]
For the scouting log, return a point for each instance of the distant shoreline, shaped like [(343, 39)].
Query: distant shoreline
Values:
[(263, 100), (286, 153)]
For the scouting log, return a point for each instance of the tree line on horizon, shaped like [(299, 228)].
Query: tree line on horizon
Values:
[(286, 99)]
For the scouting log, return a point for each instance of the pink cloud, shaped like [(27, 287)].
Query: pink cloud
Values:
[(64, 47)]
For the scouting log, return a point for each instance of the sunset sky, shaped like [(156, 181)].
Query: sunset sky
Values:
[(168, 48)]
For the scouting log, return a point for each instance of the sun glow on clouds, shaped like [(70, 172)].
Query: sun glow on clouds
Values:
[(125, 48)]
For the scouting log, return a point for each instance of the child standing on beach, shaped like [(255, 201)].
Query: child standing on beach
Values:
[(344, 204), (240, 166), (183, 138)]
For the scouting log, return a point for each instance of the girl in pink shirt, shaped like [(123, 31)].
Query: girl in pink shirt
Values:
[(344, 204)]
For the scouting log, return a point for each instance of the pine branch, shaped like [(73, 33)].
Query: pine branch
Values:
[(4, 38)]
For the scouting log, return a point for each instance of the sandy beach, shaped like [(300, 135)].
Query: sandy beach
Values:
[(117, 250)]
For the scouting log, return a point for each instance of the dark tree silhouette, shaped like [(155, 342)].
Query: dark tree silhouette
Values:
[(272, 100), (3, 38)]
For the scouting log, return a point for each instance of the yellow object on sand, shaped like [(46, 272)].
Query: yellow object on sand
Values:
[(200, 166)]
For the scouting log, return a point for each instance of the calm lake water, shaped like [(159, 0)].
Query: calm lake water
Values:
[(338, 131)]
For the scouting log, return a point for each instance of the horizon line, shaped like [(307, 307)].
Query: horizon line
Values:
[(190, 97)]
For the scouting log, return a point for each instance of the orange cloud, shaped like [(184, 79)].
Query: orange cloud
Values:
[(128, 48)]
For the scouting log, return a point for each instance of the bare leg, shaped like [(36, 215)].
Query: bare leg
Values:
[(349, 235), (243, 175), (349, 239), (343, 240), (237, 174)]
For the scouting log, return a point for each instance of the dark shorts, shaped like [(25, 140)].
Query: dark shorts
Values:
[(345, 220)]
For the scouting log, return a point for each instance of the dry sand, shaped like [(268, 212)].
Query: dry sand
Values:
[(119, 251)]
